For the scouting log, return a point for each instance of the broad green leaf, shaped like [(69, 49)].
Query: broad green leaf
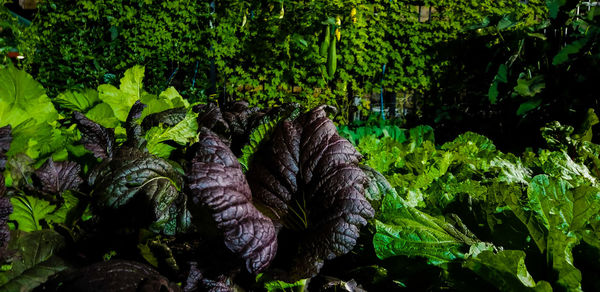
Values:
[(131, 90), (147, 254), (36, 139), (572, 48), (62, 214), (182, 133), (23, 98), (560, 165), (78, 100), (528, 106), (103, 115), (511, 194), (404, 230), (28, 211), (420, 134), (553, 205), (35, 259), (506, 270), (511, 172), (501, 77), (554, 6)]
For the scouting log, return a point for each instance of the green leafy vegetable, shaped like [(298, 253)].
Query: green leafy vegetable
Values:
[(28, 211), (35, 260)]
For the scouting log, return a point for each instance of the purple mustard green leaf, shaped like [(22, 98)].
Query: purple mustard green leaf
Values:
[(307, 179), (113, 275), (95, 138), (132, 127), (57, 177), (5, 139), (136, 181), (6, 209), (215, 181)]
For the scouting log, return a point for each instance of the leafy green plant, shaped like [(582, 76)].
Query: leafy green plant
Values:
[(467, 202)]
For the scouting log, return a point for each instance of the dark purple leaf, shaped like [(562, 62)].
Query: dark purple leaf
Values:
[(114, 275), (5, 140), (216, 181), (5, 210), (97, 139), (134, 130), (308, 180), (210, 117), (57, 177), (135, 181)]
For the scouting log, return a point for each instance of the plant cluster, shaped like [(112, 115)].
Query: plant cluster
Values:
[(517, 223), (153, 181)]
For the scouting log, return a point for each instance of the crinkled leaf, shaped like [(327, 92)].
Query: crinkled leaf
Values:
[(35, 260), (506, 270), (553, 205), (78, 100), (210, 117), (262, 132), (404, 230), (57, 177), (97, 139), (122, 99), (112, 275), (308, 179), (181, 133), (20, 168), (561, 165), (6, 209), (28, 211), (216, 181), (420, 134), (19, 92), (5, 140), (133, 127), (153, 182)]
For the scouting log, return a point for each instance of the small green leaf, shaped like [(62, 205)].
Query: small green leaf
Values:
[(528, 106), (572, 48)]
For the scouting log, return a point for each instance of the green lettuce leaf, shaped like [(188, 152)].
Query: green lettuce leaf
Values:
[(404, 230), (167, 99), (35, 260), (131, 90), (28, 211), (103, 115), (78, 100), (19, 92), (181, 133), (506, 270)]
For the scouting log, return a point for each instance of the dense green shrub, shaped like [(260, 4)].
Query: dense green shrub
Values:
[(262, 51)]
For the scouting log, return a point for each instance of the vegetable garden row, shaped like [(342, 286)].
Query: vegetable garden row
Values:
[(122, 186), (207, 146)]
